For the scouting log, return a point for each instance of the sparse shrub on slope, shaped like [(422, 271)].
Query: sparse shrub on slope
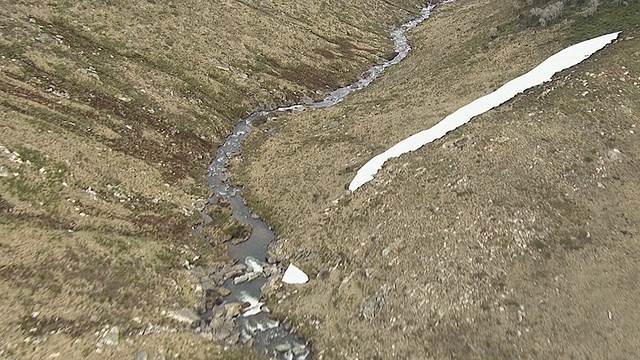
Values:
[(548, 14), (591, 8), (543, 13)]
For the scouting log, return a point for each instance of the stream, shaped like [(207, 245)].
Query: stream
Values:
[(270, 337)]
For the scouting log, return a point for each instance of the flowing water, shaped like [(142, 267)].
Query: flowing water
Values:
[(270, 336)]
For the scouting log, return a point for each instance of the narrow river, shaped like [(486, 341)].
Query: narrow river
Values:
[(269, 335)]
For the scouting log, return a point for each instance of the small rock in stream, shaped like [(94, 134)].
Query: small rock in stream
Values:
[(298, 349), (232, 310), (224, 291), (218, 311), (283, 347), (245, 278)]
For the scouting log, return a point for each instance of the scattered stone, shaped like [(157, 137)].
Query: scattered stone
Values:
[(140, 355), (232, 310), (298, 350), (218, 311), (270, 270), (111, 337), (224, 291), (221, 329), (42, 37), (207, 284), (280, 95), (306, 99), (4, 172), (614, 155), (269, 288), (271, 257), (458, 143), (184, 315), (371, 306), (231, 273)]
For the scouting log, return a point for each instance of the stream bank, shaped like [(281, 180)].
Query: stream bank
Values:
[(257, 271)]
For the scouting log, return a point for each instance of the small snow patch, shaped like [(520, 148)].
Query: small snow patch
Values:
[(293, 275)]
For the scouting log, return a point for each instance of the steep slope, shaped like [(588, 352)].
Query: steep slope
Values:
[(513, 236), (109, 114)]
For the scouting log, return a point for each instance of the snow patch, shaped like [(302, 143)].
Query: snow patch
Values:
[(562, 60), (293, 275)]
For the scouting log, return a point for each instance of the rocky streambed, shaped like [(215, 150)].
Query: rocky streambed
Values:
[(231, 310)]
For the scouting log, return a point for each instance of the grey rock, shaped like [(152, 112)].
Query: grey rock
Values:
[(219, 311), (245, 278), (206, 219), (270, 271), (4, 172), (112, 336), (233, 339), (271, 287), (218, 277), (140, 355), (280, 95), (371, 306), (224, 291), (207, 284), (272, 258), (232, 273), (232, 310), (283, 347), (42, 37), (299, 349), (222, 329), (306, 99)]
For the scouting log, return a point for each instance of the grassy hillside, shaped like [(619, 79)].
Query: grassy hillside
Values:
[(514, 236), (109, 114)]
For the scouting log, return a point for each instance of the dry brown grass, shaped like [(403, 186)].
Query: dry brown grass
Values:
[(115, 109), (514, 236)]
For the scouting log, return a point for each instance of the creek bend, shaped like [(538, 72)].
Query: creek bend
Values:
[(270, 337)]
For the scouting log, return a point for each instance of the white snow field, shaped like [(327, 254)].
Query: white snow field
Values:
[(562, 60)]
